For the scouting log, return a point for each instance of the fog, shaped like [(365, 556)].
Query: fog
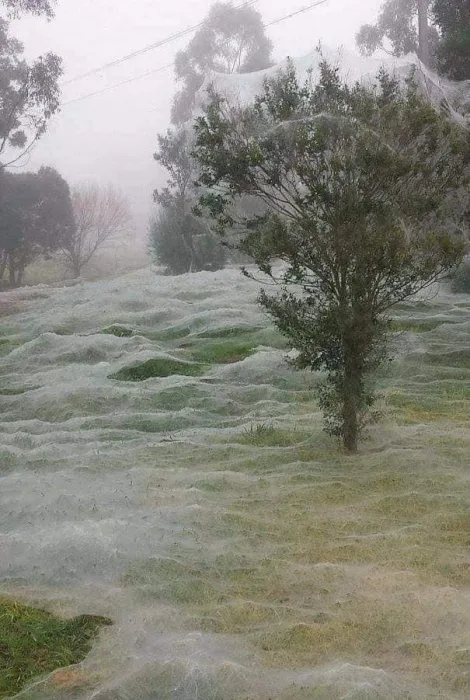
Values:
[(111, 136)]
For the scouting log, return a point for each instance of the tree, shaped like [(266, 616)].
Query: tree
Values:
[(35, 7), (29, 96), (453, 54), (353, 181), (183, 243), (102, 217), (231, 40), (401, 28), (178, 240), (35, 217)]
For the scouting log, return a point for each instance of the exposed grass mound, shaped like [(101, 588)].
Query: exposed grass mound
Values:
[(159, 367), (118, 331), (34, 642), (222, 353), (13, 392), (228, 332)]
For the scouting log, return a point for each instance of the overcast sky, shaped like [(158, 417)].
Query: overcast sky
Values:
[(111, 137)]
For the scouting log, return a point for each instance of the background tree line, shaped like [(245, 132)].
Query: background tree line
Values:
[(40, 216), (231, 40)]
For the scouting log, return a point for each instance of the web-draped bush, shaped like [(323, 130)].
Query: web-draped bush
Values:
[(352, 183)]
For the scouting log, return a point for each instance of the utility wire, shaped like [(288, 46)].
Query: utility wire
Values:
[(294, 14), (170, 65), (150, 47)]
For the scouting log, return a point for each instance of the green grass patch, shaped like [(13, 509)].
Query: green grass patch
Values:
[(222, 353), (159, 367), (416, 325), (13, 392), (34, 642), (176, 333), (228, 332), (118, 331)]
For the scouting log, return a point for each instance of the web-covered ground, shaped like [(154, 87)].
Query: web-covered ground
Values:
[(239, 553)]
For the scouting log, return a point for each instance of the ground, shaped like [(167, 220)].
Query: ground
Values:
[(162, 466)]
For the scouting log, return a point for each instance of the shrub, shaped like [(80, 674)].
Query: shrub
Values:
[(183, 243)]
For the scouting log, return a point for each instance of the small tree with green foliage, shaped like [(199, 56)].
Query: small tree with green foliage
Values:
[(352, 181)]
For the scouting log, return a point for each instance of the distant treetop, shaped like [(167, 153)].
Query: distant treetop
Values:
[(231, 40), (35, 7)]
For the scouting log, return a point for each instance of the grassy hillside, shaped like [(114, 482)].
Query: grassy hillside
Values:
[(162, 466)]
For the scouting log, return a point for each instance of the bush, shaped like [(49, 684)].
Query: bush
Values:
[(183, 243), (460, 283)]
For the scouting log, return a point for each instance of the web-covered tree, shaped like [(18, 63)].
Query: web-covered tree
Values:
[(231, 40), (353, 181), (177, 239)]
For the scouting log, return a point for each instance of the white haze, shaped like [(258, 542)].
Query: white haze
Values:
[(111, 137)]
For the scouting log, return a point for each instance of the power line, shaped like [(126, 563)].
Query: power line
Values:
[(150, 47), (170, 65), (124, 82), (297, 12)]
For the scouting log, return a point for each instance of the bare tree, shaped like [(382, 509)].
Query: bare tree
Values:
[(102, 219)]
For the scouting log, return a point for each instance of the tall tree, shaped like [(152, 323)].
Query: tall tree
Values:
[(29, 93), (353, 181), (29, 96), (231, 40), (177, 238), (453, 19), (402, 27)]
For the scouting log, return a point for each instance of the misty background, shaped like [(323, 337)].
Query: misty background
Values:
[(110, 136)]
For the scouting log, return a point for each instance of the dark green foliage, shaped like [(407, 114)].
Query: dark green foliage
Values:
[(231, 40), (351, 183), (34, 642), (159, 367), (35, 218), (453, 18), (460, 283), (183, 243)]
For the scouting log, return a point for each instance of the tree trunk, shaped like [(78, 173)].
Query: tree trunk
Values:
[(3, 264), (352, 391), (350, 423), (423, 6), (20, 275), (11, 270)]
